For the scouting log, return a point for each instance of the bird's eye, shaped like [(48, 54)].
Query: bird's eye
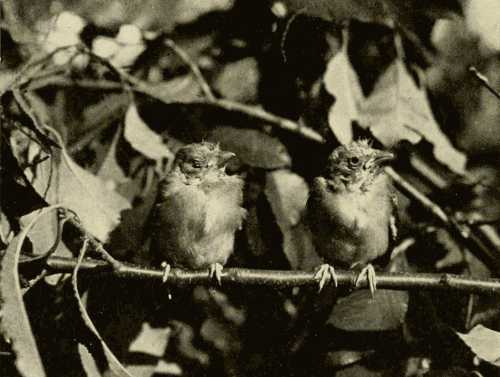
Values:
[(354, 161), (197, 164)]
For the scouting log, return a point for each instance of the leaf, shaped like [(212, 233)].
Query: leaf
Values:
[(111, 108), (360, 312), (484, 342), (340, 81), (379, 11), (253, 147), (14, 319), (109, 170), (287, 194), (151, 341), (341, 10), (60, 180), (15, 186), (185, 336), (160, 369), (229, 82), (188, 11), (36, 114), (482, 20), (396, 110), (44, 235), (115, 367), (89, 364), (67, 183), (221, 336), (142, 138), (182, 89)]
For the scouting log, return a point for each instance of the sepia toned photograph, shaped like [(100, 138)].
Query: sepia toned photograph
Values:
[(235, 188)]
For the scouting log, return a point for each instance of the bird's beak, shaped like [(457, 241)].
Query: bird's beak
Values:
[(224, 158), (383, 156)]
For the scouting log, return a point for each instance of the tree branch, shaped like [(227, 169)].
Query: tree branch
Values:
[(462, 232), (484, 81), (278, 278), (193, 67)]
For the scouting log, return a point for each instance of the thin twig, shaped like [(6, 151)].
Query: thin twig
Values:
[(59, 81), (193, 67), (126, 79), (146, 88), (255, 112), (96, 245), (281, 278), (484, 81), (410, 190)]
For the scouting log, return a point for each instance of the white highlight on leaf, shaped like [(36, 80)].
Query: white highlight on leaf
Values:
[(81, 191), (142, 138), (151, 341), (484, 342), (340, 81), (483, 18), (188, 11), (287, 194)]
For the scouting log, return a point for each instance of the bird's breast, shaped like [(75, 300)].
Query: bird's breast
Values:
[(351, 227), (197, 222)]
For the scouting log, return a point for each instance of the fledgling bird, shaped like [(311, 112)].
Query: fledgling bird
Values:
[(197, 211), (351, 211)]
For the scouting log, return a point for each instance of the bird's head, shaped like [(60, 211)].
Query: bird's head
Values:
[(356, 165), (198, 159)]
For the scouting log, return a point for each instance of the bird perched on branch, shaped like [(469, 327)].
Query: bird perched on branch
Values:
[(197, 211), (351, 211)]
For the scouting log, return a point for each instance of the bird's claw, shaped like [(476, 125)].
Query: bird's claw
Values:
[(325, 274), (166, 271), (215, 272), (368, 273)]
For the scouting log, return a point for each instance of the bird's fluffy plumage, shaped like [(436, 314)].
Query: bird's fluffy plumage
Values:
[(351, 206), (198, 209)]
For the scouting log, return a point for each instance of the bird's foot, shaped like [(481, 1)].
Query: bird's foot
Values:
[(368, 272), (166, 271), (325, 274), (215, 272)]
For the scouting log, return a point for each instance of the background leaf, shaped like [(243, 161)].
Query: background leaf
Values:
[(142, 138), (253, 147), (14, 320), (97, 206), (484, 342)]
